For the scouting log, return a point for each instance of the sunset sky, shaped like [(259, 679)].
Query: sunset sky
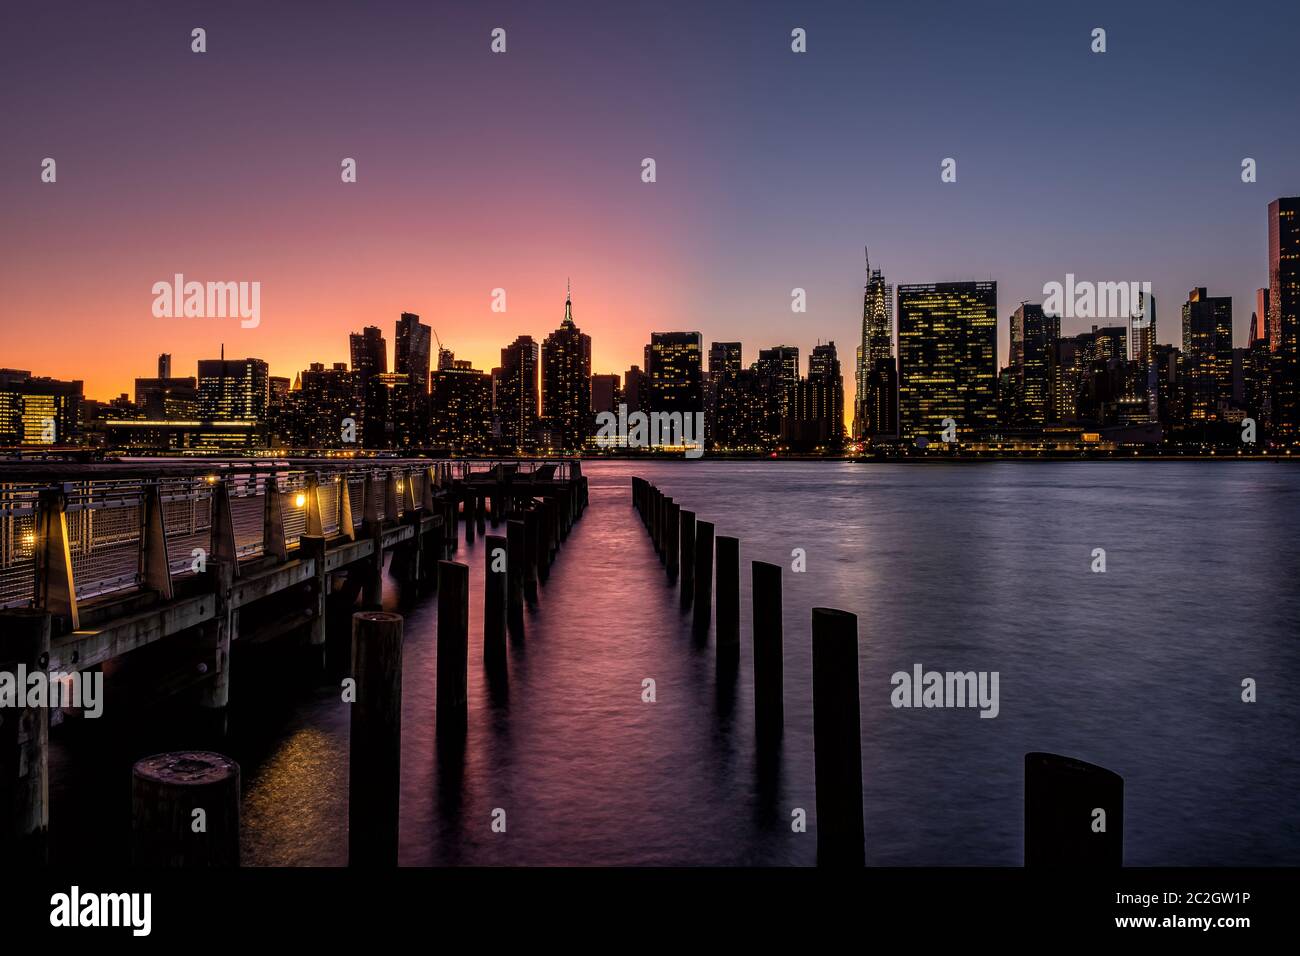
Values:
[(519, 170)]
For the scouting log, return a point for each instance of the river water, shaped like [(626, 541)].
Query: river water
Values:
[(984, 567)]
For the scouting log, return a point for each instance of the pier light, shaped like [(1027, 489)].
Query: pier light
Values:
[(300, 500)]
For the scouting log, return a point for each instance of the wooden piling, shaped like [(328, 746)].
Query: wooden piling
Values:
[(769, 665), (727, 626), (686, 552), (837, 738), (671, 546), (665, 510), (1063, 827), (185, 810), (24, 741), (703, 596), (516, 548), (471, 517), (495, 574), (530, 553), (480, 505), (375, 736), (453, 646)]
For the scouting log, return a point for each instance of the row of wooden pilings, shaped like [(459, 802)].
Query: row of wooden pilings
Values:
[(1062, 794), (185, 804)]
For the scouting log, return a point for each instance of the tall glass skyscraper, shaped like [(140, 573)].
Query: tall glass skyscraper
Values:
[(1284, 314), (947, 358)]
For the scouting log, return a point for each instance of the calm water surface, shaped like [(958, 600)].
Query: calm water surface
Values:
[(965, 567)]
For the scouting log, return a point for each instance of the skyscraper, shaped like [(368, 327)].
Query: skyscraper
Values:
[(369, 352), (819, 399), (1207, 355), (566, 381), (780, 366), (234, 389), (1284, 314), (947, 358), (411, 359), (605, 393), (461, 408), (722, 399), (1142, 330), (876, 347), (1033, 350), (515, 394), (674, 371), (636, 389)]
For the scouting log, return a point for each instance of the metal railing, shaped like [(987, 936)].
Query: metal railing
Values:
[(104, 506)]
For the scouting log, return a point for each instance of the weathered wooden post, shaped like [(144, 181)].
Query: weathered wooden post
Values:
[(185, 810), (672, 529), (516, 546), (727, 626), (1074, 813), (686, 551), (703, 574), (665, 513), (544, 528), (375, 739), (769, 665), (453, 646), (656, 524), (471, 518), (480, 506), (530, 554), (495, 574), (24, 741), (452, 528), (837, 738)]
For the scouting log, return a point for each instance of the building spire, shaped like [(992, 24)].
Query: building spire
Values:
[(568, 303)]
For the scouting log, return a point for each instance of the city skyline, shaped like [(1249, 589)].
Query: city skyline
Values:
[(733, 223)]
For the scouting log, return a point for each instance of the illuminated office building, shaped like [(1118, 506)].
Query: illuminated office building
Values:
[(514, 394), (566, 382), (947, 358), (1206, 371), (1284, 315)]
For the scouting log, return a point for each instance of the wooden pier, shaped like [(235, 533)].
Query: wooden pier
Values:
[(100, 560)]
